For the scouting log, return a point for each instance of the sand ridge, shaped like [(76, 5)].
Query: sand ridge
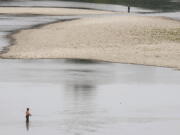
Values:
[(49, 11), (126, 39)]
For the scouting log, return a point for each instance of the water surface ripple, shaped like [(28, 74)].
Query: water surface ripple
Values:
[(72, 97)]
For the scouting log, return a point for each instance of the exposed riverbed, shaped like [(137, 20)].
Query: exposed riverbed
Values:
[(10, 22)]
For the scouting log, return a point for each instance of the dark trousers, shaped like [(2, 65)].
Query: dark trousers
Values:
[(27, 118)]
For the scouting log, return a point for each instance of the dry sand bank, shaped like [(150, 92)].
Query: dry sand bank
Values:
[(48, 11), (126, 39)]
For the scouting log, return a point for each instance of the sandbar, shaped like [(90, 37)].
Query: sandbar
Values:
[(48, 11), (127, 39)]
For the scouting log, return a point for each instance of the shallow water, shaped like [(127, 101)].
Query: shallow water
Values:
[(160, 5), (76, 97), (40, 3)]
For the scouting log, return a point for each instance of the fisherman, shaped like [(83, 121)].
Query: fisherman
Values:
[(129, 9), (28, 114)]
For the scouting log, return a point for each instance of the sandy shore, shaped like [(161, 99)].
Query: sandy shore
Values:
[(48, 11), (126, 39)]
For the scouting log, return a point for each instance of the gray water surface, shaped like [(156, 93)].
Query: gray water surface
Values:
[(77, 97), (69, 4)]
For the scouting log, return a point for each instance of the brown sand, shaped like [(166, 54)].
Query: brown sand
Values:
[(48, 11), (126, 39)]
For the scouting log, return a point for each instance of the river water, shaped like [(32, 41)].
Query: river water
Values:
[(83, 97), (77, 97)]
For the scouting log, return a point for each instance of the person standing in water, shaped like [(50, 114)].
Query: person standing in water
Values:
[(28, 114)]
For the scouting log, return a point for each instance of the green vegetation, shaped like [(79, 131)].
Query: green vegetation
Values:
[(168, 34)]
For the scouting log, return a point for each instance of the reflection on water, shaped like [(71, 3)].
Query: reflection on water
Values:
[(27, 125), (76, 97)]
